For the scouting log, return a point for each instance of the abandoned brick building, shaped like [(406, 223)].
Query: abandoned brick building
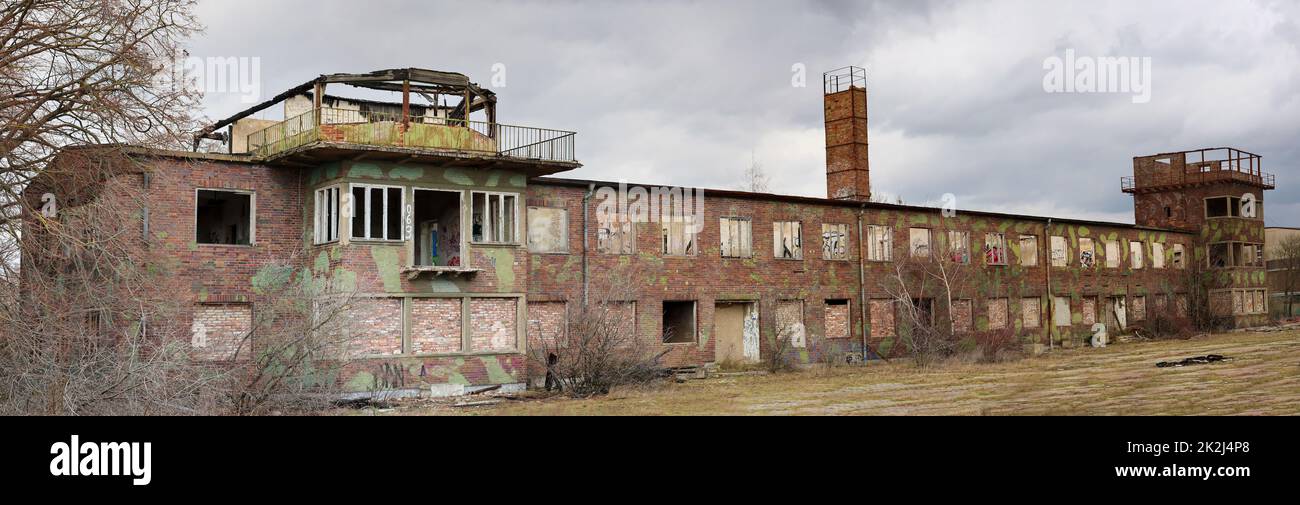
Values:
[(462, 244)]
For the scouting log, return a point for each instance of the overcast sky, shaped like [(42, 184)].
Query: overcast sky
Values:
[(685, 93)]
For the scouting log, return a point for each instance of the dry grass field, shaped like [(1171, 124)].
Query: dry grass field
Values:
[(1263, 378)]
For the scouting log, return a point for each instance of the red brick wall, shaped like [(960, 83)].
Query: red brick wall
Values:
[(435, 325), (492, 324), (218, 330), (375, 326), (837, 320)]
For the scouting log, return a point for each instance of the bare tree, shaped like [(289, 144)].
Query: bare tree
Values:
[(1286, 254), (756, 179), (88, 72), (598, 348), (924, 287)]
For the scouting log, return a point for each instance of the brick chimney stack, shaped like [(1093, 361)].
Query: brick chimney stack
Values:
[(847, 173)]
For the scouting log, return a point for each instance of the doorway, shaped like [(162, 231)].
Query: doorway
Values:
[(736, 327)]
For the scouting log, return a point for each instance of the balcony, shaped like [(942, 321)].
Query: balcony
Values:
[(1169, 171), (432, 134)]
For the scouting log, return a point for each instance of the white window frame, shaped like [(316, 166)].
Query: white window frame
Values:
[(498, 227), (324, 228), (356, 206)]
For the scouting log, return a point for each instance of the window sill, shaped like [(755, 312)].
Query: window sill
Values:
[(549, 253), (376, 241), (249, 246), (495, 244)]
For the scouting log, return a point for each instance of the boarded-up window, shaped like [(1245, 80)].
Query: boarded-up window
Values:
[(1178, 261), (435, 325), (547, 325), (1180, 304), (789, 322), (737, 237), (995, 249), (1112, 254), (959, 246), (219, 331), (1260, 307), (1157, 255), (1060, 252), (882, 318), (997, 313), (492, 324), (1135, 254), (962, 316), (880, 243), (1028, 250), (373, 326), (1089, 311), (1087, 253), (548, 230), (787, 240), (1162, 303), (1030, 311), (614, 234), (835, 241), (1061, 311), (1221, 303), (919, 240), (678, 233), (837, 318), (1139, 308)]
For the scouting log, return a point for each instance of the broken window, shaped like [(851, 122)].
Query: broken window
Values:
[(1223, 206), (1157, 255), (920, 242), (1135, 254), (614, 234), (437, 227), (495, 217), (1087, 253), (1220, 255), (1178, 256), (786, 240), (376, 212), (882, 318), (962, 316), (1112, 254), (678, 234), (737, 237), (1248, 255), (1060, 252), (223, 217), (1030, 312), (880, 243), (924, 308), (997, 313), (548, 230), (1061, 311), (835, 241), (327, 215), (679, 322), (995, 249), (959, 246), (837, 318)]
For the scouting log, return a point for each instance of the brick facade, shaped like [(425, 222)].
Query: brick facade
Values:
[(219, 331)]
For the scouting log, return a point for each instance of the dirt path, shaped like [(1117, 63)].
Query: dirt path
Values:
[(1262, 378)]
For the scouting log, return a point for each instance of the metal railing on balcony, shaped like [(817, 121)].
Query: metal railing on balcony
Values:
[(1196, 167), (385, 128)]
